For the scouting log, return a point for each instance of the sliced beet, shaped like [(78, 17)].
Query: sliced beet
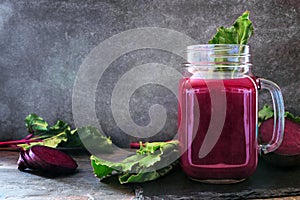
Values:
[(25, 161), (22, 163), (46, 159), (288, 153), (31, 163)]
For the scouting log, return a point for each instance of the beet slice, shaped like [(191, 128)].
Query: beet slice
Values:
[(25, 161), (31, 163), (22, 163), (46, 159), (288, 153)]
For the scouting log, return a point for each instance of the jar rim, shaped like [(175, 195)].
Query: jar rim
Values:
[(215, 47)]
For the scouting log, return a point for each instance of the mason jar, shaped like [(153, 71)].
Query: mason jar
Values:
[(218, 114)]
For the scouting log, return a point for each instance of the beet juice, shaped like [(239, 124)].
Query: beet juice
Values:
[(234, 153), (218, 115)]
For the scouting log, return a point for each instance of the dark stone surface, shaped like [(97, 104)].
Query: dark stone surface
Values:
[(43, 43), (82, 185), (267, 182)]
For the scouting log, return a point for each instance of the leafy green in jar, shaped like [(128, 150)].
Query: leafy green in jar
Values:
[(239, 33)]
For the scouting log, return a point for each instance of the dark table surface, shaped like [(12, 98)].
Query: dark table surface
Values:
[(267, 182)]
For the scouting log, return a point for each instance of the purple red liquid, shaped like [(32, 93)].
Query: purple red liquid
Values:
[(234, 151)]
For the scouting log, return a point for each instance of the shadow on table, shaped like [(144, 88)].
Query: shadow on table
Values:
[(267, 181)]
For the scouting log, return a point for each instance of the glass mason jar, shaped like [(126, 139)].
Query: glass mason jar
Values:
[(218, 114)]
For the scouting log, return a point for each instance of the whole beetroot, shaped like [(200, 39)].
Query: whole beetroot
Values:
[(288, 153)]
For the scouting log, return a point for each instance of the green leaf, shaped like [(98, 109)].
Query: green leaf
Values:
[(151, 147), (95, 140), (149, 163), (138, 178), (292, 117), (100, 170), (146, 176), (53, 141), (35, 124), (59, 127), (73, 140), (53, 136), (239, 33), (267, 112)]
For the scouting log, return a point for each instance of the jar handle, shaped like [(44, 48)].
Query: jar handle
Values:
[(278, 107)]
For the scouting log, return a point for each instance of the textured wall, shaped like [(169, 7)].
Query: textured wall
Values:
[(43, 43)]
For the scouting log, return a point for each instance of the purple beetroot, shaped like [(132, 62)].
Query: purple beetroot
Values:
[(46, 159), (288, 154)]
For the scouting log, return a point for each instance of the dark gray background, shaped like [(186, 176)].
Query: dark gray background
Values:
[(43, 43)]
